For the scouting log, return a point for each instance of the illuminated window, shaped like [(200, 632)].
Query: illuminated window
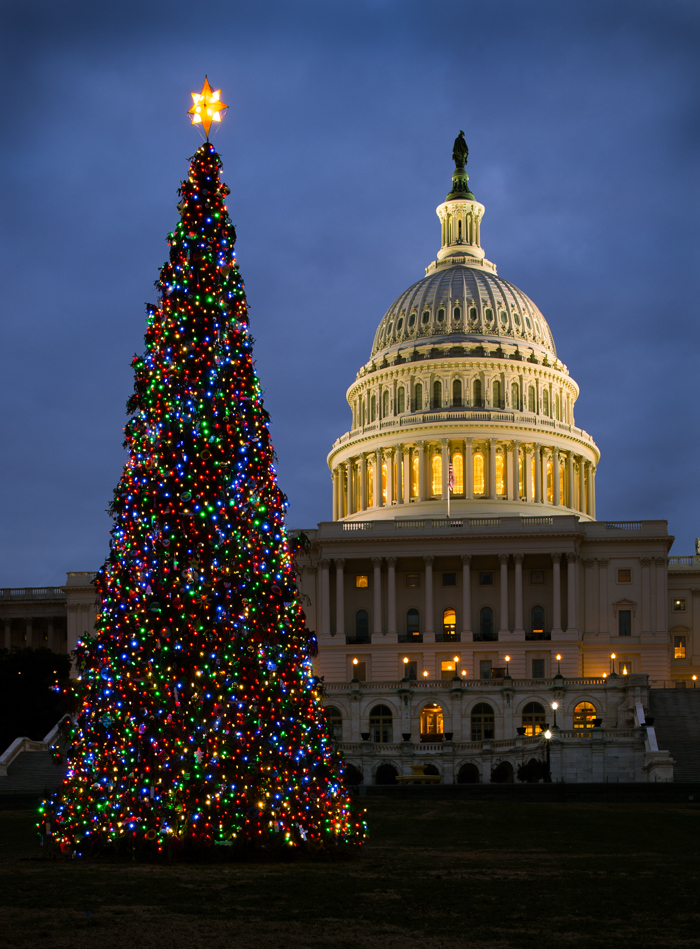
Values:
[(362, 626), (437, 394), (449, 579), (538, 669), (537, 620), (415, 466), (496, 395), (385, 405), (625, 668), (456, 392), (401, 401), (431, 723), (533, 717), (436, 471), (458, 471), (584, 715), (624, 622), (381, 724), (624, 576), (515, 396), (545, 402), (479, 482), (531, 399), (679, 606), (562, 485), (500, 474), (418, 397), (537, 576), (521, 477), (370, 485), (449, 624), (532, 479), (412, 580), (550, 483), (384, 481), (413, 623), (483, 721), (679, 647), (361, 581), (447, 668), (478, 396), (335, 723)]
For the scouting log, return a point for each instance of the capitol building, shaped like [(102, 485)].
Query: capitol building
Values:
[(475, 621)]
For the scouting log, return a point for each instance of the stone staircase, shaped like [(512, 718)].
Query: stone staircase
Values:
[(677, 724), (28, 767)]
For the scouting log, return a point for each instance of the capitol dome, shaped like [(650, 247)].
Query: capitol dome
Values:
[(464, 406)]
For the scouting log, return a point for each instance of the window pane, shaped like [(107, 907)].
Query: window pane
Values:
[(584, 715), (485, 668), (479, 483), (624, 576), (679, 605), (538, 668), (679, 647), (437, 475), (419, 397), (625, 622), (414, 476), (361, 580), (449, 579), (458, 470), (411, 579)]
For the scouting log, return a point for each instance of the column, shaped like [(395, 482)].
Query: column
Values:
[(325, 599), (519, 627), (469, 469), (555, 477), (363, 482), (514, 472), (377, 624), (389, 460), (466, 596), (590, 624), (445, 467), (571, 624), (421, 470), (391, 597), (398, 453), (592, 491), (503, 558), (527, 480), (428, 624), (378, 495), (334, 476), (581, 484), (339, 597), (603, 596), (646, 595), (406, 460), (348, 488), (570, 485), (556, 595), (538, 473), (589, 490), (493, 442), (661, 604)]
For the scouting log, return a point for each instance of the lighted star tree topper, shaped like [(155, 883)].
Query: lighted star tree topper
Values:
[(206, 107), (199, 721)]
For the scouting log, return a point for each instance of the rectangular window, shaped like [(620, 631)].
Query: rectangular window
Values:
[(537, 576), (679, 605), (410, 669), (486, 579), (361, 581), (538, 668), (624, 623), (624, 576), (679, 647), (625, 667), (449, 579), (359, 670), (448, 670), (485, 668), (412, 579)]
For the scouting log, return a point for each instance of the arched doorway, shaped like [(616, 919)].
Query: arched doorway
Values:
[(386, 774), (533, 717), (502, 773), (468, 774), (352, 776), (431, 723)]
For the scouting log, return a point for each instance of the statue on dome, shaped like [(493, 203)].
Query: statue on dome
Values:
[(460, 152)]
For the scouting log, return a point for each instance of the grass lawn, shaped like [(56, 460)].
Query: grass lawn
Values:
[(435, 874)]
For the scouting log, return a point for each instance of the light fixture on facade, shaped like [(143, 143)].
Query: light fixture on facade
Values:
[(558, 664), (555, 706), (507, 658), (425, 673)]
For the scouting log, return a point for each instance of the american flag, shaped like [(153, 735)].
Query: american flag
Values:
[(451, 478)]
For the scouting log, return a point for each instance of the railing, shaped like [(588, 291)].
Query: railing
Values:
[(485, 637), (31, 593), (358, 525), (410, 638), (623, 525), (444, 522), (534, 637), (445, 685), (537, 521), (358, 640), (684, 561), (409, 525), (443, 637), (485, 522)]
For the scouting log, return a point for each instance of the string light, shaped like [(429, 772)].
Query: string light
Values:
[(200, 720)]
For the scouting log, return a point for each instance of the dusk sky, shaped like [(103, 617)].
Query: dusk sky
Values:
[(583, 124)]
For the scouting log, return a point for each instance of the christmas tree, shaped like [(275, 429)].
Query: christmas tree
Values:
[(199, 720)]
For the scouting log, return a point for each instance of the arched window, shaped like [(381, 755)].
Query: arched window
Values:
[(386, 774), (488, 314), (483, 719), (496, 394), (374, 409), (449, 625), (558, 409), (415, 476), (381, 723), (533, 717), (532, 478), (437, 395), (431, 723), (457, 314), (412, 319), (384, 483), (584, 715), (436, 471), (468, 774), (458, 473), (335, 723), (426, 316), (418, 397), (441, 315), (370, 485), (479, 481), (545, 402), (399, 325), (531, 399), (385, 405), (401, 401), (362, 626), (478, 397), (413, 624), (521, 477), (472, 313), (562, 485), (550, 483), (515, 396), (500, 474), (537, 621), (486, 624), (456, 392), (459, 230)]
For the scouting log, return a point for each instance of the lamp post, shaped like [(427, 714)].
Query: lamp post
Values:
[(548, 741), (612, 663), (456, 675), (558, 664), (507, 658), (695, 678), (555, 706)]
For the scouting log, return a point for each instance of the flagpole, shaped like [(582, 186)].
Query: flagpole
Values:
[(449, 485)]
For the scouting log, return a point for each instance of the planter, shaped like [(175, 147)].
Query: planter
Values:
[(406, 736), (365, 736)]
